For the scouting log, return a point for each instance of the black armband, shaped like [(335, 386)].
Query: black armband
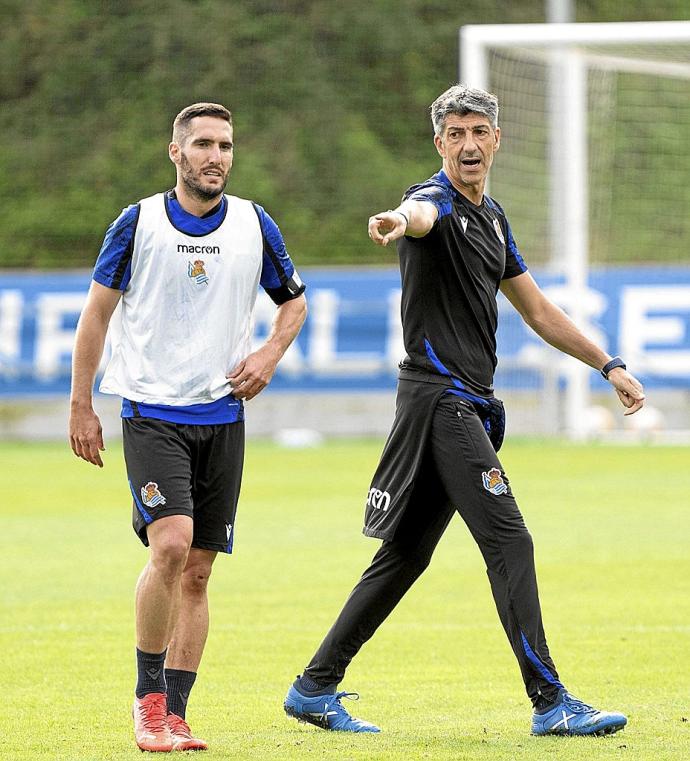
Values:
[(611, 365), (291, 289)]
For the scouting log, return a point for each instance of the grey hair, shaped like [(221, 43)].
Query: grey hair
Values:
[(463, 100)]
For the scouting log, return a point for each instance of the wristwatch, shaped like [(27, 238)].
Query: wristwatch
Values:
[(612, 364)]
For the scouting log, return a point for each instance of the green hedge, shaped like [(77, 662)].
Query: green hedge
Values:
[(330, 103)]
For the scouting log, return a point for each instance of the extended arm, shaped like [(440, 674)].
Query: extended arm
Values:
[(85, 432), (413, 218), (254, 372), (556, 328)]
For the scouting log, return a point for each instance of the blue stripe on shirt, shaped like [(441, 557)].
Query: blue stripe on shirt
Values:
[(439, 365), (225, 410), (277, 267), (437, 190), (513, 249), (113, 267)]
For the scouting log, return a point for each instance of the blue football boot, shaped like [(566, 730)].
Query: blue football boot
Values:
[(325, 710), (570, 716)]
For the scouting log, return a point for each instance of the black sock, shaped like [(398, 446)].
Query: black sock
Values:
[(150, 673), (308, 686), (180, 684), (544, 702)]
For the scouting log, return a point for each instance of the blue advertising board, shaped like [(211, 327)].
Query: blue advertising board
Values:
[(353, 340)]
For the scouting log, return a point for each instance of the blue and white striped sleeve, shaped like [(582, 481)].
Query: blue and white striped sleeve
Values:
[(279, 277), (114, 264)]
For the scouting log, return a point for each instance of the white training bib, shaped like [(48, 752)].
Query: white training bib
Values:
[(185, 318)]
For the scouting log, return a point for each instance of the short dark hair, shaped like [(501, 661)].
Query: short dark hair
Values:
[(184, 118)]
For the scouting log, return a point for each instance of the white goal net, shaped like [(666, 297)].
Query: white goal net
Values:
[(594, 175)]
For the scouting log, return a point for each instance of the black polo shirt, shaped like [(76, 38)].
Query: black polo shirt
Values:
[(450, 279)]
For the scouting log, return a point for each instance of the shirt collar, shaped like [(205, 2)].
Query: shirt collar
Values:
[(177, 206), (443, 178)]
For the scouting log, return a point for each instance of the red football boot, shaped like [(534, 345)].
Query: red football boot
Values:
[(151, 729), (182, 735)]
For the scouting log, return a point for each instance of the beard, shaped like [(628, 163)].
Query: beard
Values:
[(194, 186)]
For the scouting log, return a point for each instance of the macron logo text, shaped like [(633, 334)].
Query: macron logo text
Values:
[(380, 500), (184, 248)]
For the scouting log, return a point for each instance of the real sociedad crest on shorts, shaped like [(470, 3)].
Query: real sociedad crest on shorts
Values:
[(493, 482), (150, 495), (197, 272), (499, 232)]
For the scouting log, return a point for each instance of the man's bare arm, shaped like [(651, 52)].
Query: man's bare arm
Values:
[(85, 432), (254, 372), (413, 218), (552, 324)]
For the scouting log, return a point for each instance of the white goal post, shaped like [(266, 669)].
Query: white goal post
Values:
[(568, 53)]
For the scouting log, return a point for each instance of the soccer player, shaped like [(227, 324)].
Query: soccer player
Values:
[(183, 267), (456, 250)]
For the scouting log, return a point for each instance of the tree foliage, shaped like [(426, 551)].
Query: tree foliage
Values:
[(330, 102)]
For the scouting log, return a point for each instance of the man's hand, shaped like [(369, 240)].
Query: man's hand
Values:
[(86, 435), (254, 373), (628, 388), (85, 432), (387, 226), (412, 218)]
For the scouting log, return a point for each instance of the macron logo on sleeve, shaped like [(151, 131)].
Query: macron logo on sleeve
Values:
[(379, 500)]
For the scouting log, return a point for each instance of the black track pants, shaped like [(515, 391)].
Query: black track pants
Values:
[(457, 475)]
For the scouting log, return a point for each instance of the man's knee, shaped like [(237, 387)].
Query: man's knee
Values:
[(495, 543), (170, 540), (515, 550), (197, 572), (413, 559), (521, 544), (169, 558)]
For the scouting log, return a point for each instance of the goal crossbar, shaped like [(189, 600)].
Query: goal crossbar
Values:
[(475, 37), (630, 32)]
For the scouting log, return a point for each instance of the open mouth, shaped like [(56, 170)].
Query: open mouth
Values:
[(470, 163), (212, 173)]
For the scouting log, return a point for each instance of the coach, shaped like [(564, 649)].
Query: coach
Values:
[(456, 250), (184, 267)]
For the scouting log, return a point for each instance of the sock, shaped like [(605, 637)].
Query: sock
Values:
[(545, 702), (307, 685), (180, 684), (150, 673)]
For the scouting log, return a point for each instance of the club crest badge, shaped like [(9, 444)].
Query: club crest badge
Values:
[(197, 272), (150, 495), (499, 232), (493, 482)]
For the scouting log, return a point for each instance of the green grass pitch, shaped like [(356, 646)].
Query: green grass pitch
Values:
[(611, 532)]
